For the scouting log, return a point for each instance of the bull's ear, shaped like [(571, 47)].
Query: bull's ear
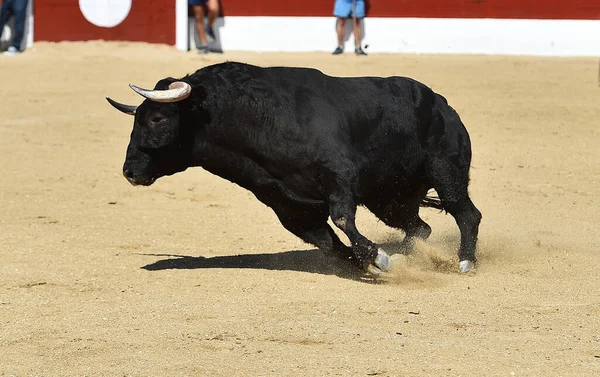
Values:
[(127, 109)]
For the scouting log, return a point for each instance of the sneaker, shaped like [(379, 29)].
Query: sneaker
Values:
[(359, 51), (202, 50), (338, 50), (12, 50), (210, 33)]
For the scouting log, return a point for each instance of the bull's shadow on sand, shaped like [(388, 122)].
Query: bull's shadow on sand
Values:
[(312, 261)]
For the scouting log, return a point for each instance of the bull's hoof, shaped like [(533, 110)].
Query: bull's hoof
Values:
[(466, 266), (381, 263)]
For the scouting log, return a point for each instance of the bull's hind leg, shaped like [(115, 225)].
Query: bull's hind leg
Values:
[(451, 183), (403, 213)]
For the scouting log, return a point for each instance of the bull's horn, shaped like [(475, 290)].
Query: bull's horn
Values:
[(177, 91), (127, 109)]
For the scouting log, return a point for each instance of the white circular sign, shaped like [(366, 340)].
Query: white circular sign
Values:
[(105, 13)]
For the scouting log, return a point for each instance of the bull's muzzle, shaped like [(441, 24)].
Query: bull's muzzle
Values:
[(137, 181)]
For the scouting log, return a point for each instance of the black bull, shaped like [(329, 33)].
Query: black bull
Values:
[(311, 146)]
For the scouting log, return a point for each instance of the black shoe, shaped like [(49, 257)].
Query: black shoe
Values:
[(203, 50), (359, 51), (211, 33), (338, 50)]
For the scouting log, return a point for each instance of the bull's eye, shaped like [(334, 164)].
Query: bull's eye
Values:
[(157, 120)]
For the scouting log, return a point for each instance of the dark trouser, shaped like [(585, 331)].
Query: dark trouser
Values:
[(18, 9)]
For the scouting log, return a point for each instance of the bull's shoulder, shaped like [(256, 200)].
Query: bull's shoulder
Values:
[(225, 73)]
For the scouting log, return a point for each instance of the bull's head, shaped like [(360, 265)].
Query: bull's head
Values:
[(160, 144)]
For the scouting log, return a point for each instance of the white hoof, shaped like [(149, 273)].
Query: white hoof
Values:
[(466, 266), (381, 263)]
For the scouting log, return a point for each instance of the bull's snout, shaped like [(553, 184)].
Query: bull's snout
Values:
[(128, 174), (137, 180)]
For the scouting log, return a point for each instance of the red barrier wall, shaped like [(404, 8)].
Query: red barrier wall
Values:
[(154, 20), (517, 9), (62, 20)]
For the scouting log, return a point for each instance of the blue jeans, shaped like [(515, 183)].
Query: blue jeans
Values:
[(18, 10)]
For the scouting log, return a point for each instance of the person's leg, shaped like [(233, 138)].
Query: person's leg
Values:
[(342, 10), (358, 14), (341, 23), (199, 17), (20, 12), (213, 12), (339, 27)]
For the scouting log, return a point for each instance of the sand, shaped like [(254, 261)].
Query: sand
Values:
[(193, 276)]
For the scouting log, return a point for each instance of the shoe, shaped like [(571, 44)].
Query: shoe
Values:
[(359, 51), (12, 50), (202, 50), (211, 33), (338, 50)]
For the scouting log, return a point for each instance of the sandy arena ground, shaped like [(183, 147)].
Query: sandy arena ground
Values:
[(193, 276)]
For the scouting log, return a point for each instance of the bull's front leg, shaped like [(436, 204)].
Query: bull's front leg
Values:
[(367, 255)]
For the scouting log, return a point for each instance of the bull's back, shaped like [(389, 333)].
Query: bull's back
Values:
[(291, 119)]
